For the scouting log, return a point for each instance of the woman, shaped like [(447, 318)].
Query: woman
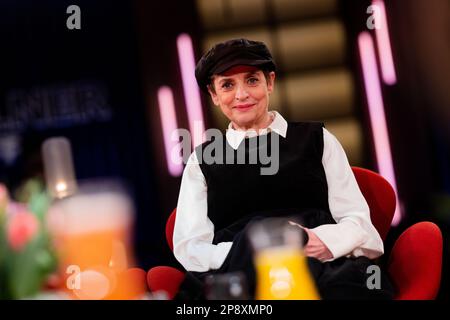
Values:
[(314, 182)]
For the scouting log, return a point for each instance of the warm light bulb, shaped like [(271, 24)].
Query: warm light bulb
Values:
[(61, 187)]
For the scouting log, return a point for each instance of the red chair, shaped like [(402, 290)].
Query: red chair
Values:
[(415, 262), (380, 197), (166, 278)]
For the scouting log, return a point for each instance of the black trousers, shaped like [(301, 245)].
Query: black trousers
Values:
[(343, 278)]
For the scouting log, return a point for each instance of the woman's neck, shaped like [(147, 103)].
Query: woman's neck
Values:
[(263, 124)]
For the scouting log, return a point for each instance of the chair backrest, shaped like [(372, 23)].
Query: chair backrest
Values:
[(415, 262), (170, 224), (380, 197)]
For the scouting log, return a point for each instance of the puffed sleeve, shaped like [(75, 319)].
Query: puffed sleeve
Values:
[(354, 234), (194, 231)]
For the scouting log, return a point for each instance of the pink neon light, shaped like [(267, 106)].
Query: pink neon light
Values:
[(377, 116), (190, 88), (384, 44), (169, 125)]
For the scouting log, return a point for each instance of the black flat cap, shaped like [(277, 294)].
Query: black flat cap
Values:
[(231, 53)]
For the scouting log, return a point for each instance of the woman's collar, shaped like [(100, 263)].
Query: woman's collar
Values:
[(235, 137)]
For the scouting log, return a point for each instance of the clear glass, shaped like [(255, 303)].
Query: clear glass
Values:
[(91, 231), (226, 286), (58, 167), (282, 270)]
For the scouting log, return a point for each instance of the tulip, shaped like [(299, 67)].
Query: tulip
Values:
[(21, 227)]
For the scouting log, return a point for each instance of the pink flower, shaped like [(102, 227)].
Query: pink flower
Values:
[(22, 226)]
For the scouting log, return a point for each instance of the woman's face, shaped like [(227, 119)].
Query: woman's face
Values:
[(243, 97)]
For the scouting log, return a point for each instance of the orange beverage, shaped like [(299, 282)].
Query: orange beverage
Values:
[(283, 274), (282, 271), (91, 231)]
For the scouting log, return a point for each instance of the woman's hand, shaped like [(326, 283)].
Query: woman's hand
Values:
[(315, 248)]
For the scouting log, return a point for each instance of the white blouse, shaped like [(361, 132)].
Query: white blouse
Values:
[(352, 235)]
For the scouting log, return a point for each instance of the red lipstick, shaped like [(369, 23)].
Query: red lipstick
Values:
[(244, 106)]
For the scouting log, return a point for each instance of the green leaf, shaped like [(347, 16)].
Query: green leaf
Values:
[(4, 292), (39, 204), (23, 273), (27, 269), (28, 188)]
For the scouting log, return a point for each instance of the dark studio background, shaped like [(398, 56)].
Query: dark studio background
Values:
[(39, 51), (97, 86)]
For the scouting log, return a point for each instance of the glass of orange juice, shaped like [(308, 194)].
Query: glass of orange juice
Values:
[(282, 271), (92, 231)]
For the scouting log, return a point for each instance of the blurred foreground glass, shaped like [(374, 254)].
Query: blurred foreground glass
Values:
[(91, 231), (226, 286), (282, 270), (58, 167)]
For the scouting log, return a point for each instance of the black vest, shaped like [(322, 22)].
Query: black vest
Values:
[(239, 192)]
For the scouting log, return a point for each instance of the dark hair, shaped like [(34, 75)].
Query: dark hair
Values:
[(213, 89)]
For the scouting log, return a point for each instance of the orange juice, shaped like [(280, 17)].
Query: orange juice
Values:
[(92, 238), (283, 274)]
